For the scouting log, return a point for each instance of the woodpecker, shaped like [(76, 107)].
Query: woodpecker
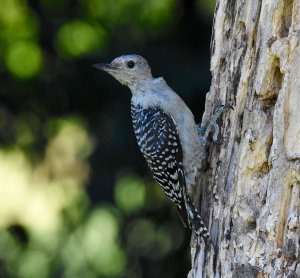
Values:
[(166, 134)]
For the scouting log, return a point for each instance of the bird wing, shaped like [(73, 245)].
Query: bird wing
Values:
[(159, 141)]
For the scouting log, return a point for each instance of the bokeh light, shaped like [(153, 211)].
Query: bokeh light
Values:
[(152, 14), (35, 196), (130, 193), (24, 59), (75, 198), (156, 13), (16, 21), (97, 242), (78, 38), (141, 236)]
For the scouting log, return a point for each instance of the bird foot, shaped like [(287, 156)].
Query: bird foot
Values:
[(212, 126)]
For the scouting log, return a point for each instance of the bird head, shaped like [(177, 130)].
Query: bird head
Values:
[(129, 70)]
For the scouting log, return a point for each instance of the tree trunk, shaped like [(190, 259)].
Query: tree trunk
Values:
[(250, 193)]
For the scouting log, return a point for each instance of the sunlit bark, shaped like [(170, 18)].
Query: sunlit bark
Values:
[(250, 192)]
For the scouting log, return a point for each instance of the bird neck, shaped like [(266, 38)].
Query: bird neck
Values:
[(151, 93), (142, 86)]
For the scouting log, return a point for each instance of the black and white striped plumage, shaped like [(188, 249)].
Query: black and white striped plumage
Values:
[(159, 142), (166, 134)]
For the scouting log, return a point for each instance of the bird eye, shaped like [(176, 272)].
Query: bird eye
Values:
[(130, 64)]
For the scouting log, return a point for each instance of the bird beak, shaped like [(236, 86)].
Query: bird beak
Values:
[(104, 66)]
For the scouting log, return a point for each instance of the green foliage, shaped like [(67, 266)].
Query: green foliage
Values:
[(156, 13), (17, 21), (95, 246), (35, 197), (55, 226), (18, 25), (49, 226), (24, 59), (78, 38), (152, 15), (209, 5), (130, 194)]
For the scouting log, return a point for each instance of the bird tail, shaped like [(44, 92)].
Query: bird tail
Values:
[(183, 215), (196, 221)]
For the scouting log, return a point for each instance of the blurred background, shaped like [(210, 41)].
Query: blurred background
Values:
[(76, 197)]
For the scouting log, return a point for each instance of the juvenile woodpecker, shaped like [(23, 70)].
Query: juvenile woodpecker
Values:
[(166, 134)]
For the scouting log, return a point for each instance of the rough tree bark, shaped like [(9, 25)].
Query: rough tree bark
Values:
[(250, 192)]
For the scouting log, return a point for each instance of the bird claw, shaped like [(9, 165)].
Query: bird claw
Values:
[(212, 126), (200, 128)]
